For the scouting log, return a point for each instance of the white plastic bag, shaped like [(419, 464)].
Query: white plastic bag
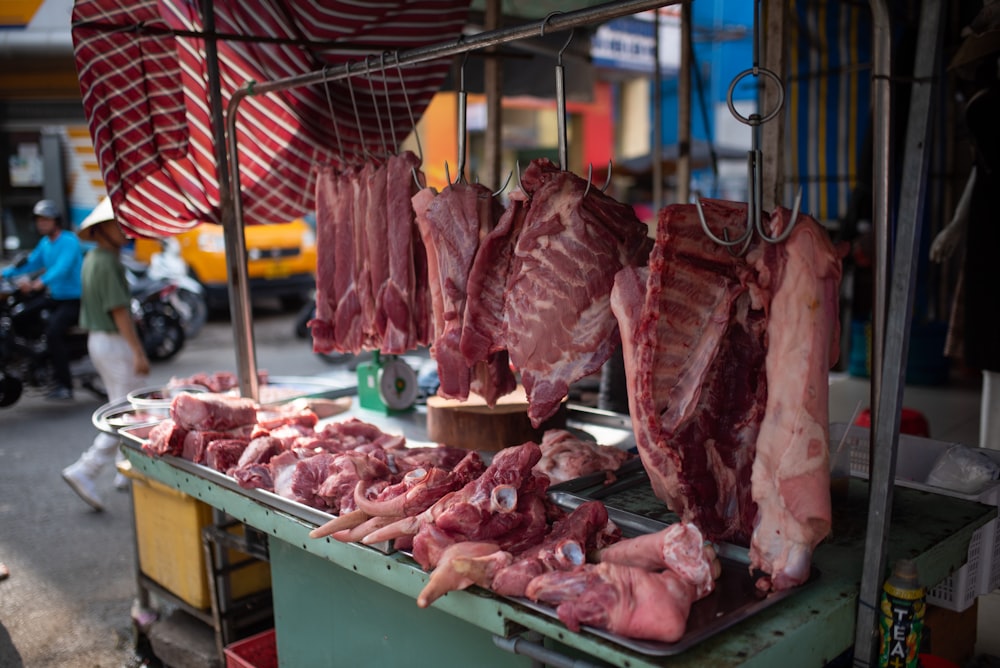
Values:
[(963, 469)]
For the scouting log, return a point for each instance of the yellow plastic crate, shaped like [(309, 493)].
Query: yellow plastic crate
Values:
[(168, 528)]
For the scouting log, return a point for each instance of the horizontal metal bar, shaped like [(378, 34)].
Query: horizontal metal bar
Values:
[(539, 652), (553, 23)]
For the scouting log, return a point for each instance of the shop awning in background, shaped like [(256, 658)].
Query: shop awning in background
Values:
[(828, 96), (143, 76)]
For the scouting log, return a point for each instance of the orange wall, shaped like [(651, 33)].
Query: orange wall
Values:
[(439, 132)]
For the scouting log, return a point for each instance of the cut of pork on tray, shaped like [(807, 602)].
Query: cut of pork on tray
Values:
[(726, 358)]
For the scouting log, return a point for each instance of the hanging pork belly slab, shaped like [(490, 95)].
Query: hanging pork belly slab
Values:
[(726, 358)]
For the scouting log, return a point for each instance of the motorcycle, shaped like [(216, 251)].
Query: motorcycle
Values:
[(157, 320), (23, 359), (169, 267)]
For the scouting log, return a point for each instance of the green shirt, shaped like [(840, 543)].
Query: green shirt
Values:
[(104, 289)]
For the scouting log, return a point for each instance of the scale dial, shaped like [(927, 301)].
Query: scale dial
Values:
[(397, 384)]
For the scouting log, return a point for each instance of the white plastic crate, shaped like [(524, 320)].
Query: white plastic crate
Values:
[(915, 457)]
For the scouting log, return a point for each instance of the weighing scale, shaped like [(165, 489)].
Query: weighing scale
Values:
[(386, 384)]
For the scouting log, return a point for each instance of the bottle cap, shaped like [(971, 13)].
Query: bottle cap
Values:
[(906, 569)]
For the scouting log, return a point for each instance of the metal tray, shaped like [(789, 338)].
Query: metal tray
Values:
[(735, 597)]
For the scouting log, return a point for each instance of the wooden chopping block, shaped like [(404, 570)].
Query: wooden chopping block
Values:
[(473, 425)]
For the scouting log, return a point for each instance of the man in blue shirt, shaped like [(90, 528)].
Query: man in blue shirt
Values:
[(59, 257)]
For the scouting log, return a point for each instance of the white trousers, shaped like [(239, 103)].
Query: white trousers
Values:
[(112, 358)]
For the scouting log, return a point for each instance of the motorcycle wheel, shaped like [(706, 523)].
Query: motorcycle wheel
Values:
[(10, 390), (335, 358), (305, 314), (193, 311), (161, 332)]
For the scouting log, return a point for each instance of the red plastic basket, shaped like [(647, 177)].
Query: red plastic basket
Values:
[(257, 651)]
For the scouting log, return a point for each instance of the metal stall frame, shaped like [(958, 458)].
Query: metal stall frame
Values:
[(893, 300), (890, 335), (235, 242)]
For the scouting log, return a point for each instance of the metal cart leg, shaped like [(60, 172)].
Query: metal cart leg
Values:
[(229, 615)]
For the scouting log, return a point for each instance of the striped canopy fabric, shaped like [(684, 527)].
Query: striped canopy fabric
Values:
[(828, 99), (143, 74)]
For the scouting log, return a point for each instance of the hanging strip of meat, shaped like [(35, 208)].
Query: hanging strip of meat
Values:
[(791, 471), (558, 325), (452, 226)]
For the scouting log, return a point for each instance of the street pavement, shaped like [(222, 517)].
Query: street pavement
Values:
[(67, 600)]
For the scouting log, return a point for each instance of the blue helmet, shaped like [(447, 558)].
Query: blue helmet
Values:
[(46, 208)]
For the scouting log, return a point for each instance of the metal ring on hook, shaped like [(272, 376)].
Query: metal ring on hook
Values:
[(754, 119), (744, 238)]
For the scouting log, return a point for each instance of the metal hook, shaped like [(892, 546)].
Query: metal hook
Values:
[(504, 186), (333, 117), (375, 105), (754, 156), (416, 178), (541, 28), (791, 223), (462, 122), (727, 242), (409, 110), (590, 176), (517, 171), (388, 103), (357, 116), (561, 106)]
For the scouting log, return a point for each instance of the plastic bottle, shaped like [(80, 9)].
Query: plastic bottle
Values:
[(902, 620)]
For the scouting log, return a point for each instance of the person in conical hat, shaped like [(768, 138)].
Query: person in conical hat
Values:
[(112, 342)]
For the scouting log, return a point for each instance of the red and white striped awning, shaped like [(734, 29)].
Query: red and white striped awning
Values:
[(143, 75)]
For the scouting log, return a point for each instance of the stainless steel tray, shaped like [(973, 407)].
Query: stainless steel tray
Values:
[(735, 597)]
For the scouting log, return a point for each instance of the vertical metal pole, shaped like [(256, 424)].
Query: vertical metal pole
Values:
[(236, 251), (493, 87), (881, 177), (656, 154), (773, 133), (684, 109), (900, 295)]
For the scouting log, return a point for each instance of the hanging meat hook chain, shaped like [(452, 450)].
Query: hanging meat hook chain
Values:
[(754, 158)]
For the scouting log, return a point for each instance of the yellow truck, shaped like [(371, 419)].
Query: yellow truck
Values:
[(281, 260)]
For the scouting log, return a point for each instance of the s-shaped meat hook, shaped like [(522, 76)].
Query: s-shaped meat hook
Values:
[(754, 158), (561, 112)]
